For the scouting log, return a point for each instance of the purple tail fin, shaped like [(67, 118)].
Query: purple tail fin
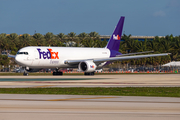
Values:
[(114, 41)]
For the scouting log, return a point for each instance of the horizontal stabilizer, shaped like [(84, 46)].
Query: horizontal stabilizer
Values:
[(11, 56)]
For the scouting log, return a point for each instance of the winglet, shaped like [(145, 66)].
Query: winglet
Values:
[(114, 41)]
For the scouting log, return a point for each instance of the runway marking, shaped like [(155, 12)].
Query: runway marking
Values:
[(71, 99), (45, 79), (80, 82), (68, 99), (79, 98), (43, 86)]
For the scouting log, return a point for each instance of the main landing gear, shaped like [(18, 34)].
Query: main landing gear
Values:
[(57, 72), (25, 72), (89, 73)]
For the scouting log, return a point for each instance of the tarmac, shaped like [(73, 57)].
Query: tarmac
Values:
[(120, 80), (86, 107), (78, 107)]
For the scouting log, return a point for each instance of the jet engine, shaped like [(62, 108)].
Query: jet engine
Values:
[(87, 66)]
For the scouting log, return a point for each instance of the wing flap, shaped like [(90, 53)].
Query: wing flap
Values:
[(134, 53), (130, 57)]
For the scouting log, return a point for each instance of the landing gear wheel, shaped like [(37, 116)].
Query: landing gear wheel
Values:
[(25, 74), (57, 73), (89, 73)]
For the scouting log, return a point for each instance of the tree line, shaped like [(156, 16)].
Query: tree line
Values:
[(14, 42), (167, 44)]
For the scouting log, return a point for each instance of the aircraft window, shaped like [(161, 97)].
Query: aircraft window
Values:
[(26, 53), (19, 52)]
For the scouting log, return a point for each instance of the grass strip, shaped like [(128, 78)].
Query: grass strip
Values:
[(126, 91)]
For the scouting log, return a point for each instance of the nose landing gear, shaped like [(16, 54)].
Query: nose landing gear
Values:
[(57, 72), (25, 72)]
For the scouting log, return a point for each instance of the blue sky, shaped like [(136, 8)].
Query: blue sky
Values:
[(142, 17)]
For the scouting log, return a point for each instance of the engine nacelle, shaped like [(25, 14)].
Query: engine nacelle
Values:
[(87, 66)]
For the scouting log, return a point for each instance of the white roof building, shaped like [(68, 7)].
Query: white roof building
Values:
[(173, 64)]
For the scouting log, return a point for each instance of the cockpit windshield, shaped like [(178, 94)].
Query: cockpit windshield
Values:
[(25, 53)]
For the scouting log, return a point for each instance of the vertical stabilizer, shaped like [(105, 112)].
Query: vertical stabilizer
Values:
[(115, 39)]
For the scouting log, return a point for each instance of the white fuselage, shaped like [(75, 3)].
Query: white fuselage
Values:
[(54, 57)]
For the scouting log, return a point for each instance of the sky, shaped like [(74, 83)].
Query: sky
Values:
[(142, 17)]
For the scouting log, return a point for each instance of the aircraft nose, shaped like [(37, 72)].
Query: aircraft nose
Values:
[(18, 59)]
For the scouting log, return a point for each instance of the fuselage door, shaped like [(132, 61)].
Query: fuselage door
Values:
[(36, 55)]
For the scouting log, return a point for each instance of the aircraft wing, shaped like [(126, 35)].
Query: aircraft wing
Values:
[(134, 53), (115, 58)]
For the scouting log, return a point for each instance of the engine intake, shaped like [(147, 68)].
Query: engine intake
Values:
[(87, 66)]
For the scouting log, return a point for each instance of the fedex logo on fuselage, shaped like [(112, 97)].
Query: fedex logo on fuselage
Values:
[(91, 66), (116, 37), (49, 54)]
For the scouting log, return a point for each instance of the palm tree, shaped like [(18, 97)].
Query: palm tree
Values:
[(89, 43), (169, 38), (167, 46), (82, 37), (94, 35), (39, 39), (176, 48), (140, 46), (144, 44), (13, 41), (151, 45), (131, 45), (2, 39), (159, 45), (72, 36), (178, 58), (61, 38), (25, 40), (101, 44), (122, 48), (4, 60), (126, 43), (49, 38)]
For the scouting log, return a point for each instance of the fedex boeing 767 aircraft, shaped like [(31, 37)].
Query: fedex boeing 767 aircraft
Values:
[(86, 59)]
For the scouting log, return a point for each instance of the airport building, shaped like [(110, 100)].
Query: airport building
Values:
[(140, 38)]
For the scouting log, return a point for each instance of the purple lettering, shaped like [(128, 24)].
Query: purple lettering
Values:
[(44, 54), (48, 54), (39, 50)]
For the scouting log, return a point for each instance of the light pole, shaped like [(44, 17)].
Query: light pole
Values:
[(9, 68)]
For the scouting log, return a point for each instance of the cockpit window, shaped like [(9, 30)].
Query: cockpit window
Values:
[(26, 53)]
